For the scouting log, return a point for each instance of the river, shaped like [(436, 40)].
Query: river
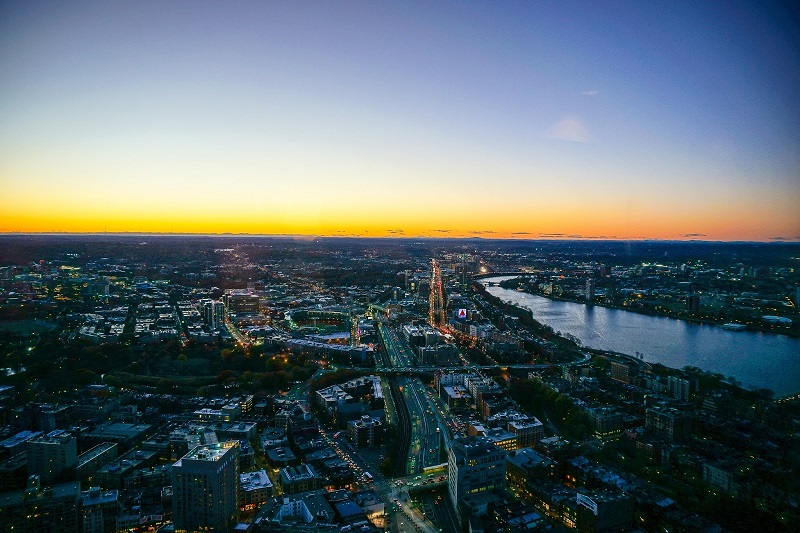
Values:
[(755, 359)]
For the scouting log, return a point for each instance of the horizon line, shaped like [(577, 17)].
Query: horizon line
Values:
[(307, 236)]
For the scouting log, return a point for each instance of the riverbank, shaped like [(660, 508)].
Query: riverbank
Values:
[(752, 359), (647, 312)]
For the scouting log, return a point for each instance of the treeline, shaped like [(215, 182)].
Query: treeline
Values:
[(334, 378), (544, 401)]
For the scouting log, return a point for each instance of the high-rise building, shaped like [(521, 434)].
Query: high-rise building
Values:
[(241, 302), (50, 454), (590, 287), (475, 465), (679, 388), (205, 485), (213, 312)]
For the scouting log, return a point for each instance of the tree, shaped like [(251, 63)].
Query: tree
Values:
[(386, 466), (165, 386)]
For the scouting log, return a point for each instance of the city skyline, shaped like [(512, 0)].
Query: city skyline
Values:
[(526, 121)]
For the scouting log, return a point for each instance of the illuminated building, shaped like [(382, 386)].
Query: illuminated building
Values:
[(475, 465), (205, 489)]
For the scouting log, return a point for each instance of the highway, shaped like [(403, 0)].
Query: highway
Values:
[(425, 450), (398, 351), (425, 424)]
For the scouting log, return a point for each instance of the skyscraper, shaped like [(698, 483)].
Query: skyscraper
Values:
[(205, 485)]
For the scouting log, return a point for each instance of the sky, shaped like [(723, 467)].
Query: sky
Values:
[(535, 119)]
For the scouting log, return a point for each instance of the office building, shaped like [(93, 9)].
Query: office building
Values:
[(18, 443), (111, 475), (205, 484), (14, 472), (213, 312), (241, 302), (475, 466), (502, 439), (603, 510)]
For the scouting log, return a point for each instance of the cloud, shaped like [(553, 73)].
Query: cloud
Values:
[(552, 235), (589, 93), (569, 129), (780, 238), (521, 233), (482, 232), (443, 230), (690, 235), (396, 231)]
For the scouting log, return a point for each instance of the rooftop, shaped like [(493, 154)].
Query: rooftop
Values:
[(210, 453), (254, 480)]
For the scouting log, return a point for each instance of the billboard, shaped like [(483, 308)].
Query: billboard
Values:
[(461, 314)]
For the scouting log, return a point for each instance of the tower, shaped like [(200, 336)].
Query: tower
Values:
[(355, 331), (205, 485)]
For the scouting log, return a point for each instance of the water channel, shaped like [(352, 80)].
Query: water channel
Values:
[(756, 359)]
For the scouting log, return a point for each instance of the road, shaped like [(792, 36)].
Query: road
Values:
[(426, 439), (425, 419), (398, 351), (393, 493), (299, 391), (237, 335)]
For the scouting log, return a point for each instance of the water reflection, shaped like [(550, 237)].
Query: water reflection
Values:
[(755, 359)]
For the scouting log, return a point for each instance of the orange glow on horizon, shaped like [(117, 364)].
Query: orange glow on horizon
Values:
[(316, 225), (405, 212)]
